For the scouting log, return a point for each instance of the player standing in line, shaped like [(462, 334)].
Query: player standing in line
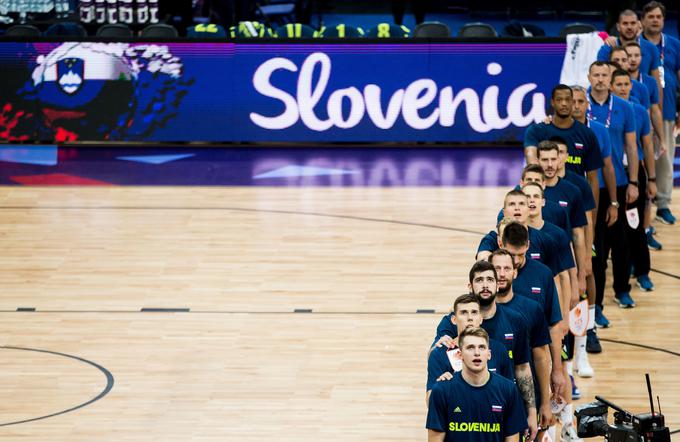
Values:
[(475, 405)]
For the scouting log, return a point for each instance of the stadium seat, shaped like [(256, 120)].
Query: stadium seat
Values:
[(477, 29), (432, 29), (159, 31), (577, 28), (388, 30), (206, 30), (114, 30), (251, 29), (23, 31), (341, 31), (66, 29), (296, 30)]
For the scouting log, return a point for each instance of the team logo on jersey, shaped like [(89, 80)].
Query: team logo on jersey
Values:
[(535, 255), (579, 146), (457, 410), (497, 408), (563, 203), (509, 336), (536, 290), (70, 74)]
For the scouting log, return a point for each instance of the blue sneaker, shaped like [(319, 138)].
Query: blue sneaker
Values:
[(665, 216), (593, 342), (575, 392), (600, 319), (624, 300), (645, 283), (651, 230), (652, 243)]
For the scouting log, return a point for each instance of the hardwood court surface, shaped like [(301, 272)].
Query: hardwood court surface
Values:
[(241, 366)]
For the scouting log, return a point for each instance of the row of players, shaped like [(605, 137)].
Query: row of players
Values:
[(590, 178)]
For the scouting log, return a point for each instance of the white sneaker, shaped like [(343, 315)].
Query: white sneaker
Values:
[(569, 434), (583, 368)]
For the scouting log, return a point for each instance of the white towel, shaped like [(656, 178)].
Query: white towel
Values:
[(581, 52)]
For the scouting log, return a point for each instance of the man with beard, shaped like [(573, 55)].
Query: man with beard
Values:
[(584, 157), (539, 336), (628, 32), (535, 281), (475, 405), (568, 196), (445, 357), (503, 325)]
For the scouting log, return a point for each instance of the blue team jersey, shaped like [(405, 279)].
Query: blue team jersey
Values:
[(532, 314), (617, 114), (650, 55), (505, 326), (652, 87), (438, 363), (586, 192), (568, 196), (535, 281), (467, 413), (641, 93), (539, 248), (669, 49), (582, 146), (561, 243), (642, 127)]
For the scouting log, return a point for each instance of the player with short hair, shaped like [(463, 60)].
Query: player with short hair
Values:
[(618, 116), (539, 335), (639, 252), (585, 157), (503, 325), (580, 113), (444, 358), (475, 405)]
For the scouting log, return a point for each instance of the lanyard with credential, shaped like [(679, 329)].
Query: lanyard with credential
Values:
[(608, 122), (661, 67)]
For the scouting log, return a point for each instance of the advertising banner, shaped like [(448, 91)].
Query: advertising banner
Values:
[(278, 92)]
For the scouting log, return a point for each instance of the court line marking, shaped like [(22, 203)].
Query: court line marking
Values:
[(109, 384), (287, 212)]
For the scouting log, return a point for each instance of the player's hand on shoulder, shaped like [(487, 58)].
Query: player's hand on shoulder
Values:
[(445, 377), (446, 340)]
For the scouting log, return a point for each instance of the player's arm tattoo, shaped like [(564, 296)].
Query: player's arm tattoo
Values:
[(525, 383)]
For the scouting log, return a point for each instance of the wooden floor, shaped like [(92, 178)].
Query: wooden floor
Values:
[(241, 366)]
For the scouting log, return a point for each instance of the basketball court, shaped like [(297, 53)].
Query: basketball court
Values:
[(290, 311)]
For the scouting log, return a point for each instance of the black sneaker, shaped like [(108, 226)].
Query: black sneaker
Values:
[(593, 342)]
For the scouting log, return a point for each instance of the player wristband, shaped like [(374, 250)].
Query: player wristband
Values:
[(652, 180), (634, 183)]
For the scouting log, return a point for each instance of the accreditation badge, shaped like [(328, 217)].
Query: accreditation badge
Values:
[(633, 218), (661, 77), (578, 319), (455, 358)]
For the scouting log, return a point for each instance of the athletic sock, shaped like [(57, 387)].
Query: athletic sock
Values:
[(591, 317)]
